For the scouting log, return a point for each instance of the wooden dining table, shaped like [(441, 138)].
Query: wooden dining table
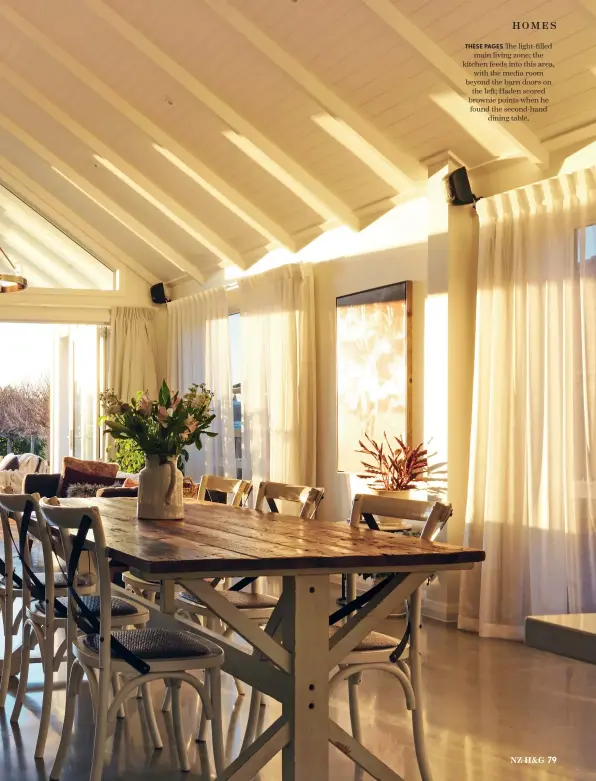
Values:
[(291, 658)]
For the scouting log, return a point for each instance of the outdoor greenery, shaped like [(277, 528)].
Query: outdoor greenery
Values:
[(25, 418), (128, 455)]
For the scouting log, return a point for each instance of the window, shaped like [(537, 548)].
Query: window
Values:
[(236, 368), (585, 243)]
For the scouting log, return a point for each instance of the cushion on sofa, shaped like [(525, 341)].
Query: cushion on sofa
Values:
[(9, 463), (75, 470), (73, 477), (81, 490), (104, 468)]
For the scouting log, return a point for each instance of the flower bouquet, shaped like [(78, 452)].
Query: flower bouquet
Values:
[(162, 429)]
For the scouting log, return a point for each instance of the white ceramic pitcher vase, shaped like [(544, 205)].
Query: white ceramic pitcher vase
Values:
[(160, 491)]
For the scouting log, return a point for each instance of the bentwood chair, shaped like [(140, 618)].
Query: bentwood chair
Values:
[(46, 614), (377, 651), (10, 591), (259, 606), (142, 655), (212, 489), (256, 605)]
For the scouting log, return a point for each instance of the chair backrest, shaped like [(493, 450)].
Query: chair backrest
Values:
[(18, 506), (309, 498), (433, 515), (7, 565), (239, 489), (68, 521)]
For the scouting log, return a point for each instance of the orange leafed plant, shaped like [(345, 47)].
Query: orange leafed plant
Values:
[(399, 467)]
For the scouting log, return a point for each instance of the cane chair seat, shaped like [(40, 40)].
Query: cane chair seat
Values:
[(60, 581), (375, 641), (243, 600), (154, 643), (120, 607)]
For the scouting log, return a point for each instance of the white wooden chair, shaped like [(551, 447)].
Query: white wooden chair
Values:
[(45, 614), (374, 651), (238, 491), (143, 655), (10, 591), (259, 606)]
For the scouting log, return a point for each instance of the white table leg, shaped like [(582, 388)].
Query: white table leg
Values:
[(306, 636)]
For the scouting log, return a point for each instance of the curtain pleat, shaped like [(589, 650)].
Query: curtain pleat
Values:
[(132, 352), (279, 375), (531, 498), (199, 351)]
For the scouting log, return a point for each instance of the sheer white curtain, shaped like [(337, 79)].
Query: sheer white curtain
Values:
[(532, 490), (199, 351), (279, 375), (132, 352)]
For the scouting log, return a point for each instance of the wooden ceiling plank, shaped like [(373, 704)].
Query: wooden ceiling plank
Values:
[(401, 168), (589, 5), (101, 199), (68, 221), (198, 170), (453, 73), (175, 211), (307, 187), (585, 132)]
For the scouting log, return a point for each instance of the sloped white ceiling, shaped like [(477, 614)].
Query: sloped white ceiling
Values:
[(192, 134)]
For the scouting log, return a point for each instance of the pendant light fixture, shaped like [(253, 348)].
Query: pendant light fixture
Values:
[(10, 279)]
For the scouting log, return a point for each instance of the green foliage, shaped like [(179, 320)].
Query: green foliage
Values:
[(20, 445), (128, 455)]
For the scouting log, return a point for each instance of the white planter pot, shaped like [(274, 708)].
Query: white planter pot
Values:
[(160, 491)]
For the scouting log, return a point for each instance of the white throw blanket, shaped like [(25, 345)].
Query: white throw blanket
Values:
[(28, 463)]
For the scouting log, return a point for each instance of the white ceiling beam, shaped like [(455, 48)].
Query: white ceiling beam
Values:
[(310, 189), (453, 73), (569, 137), (101, 199), (69, 222), (199, 171), (158, 197), (401, 168)]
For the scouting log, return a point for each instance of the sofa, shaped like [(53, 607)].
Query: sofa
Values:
[(49, 485), (14, 468)]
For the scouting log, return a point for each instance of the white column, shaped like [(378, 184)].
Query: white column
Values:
[(450, 313)]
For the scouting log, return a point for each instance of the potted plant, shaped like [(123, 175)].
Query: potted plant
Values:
[(163, 429), (403, 472), (400, 470)]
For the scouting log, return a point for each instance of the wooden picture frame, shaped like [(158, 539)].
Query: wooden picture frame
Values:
[(373, 368)]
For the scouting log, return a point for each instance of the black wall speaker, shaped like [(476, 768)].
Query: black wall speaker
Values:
[(158, 294), (457, 188)]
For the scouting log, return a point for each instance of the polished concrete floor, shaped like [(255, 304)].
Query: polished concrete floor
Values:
[(486, 702)]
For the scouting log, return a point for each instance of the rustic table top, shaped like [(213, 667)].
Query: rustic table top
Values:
[(215, 539)]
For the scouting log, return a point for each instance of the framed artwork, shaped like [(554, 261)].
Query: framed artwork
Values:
[(373, 332)]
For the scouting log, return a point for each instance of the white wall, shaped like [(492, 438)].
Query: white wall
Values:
[(340, 277)]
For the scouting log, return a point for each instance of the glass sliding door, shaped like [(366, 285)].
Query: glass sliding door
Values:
[(78, 376), (85, 388)]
